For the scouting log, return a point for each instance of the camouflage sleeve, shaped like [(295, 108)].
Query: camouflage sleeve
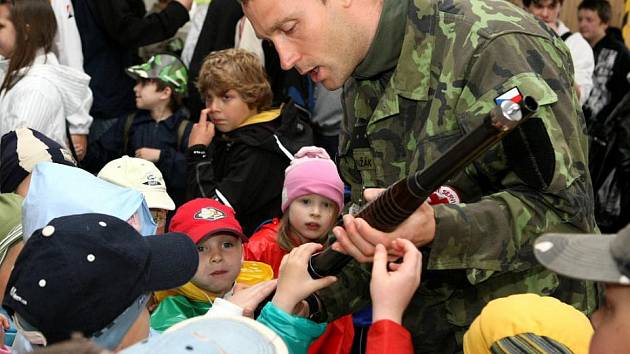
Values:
[(538, 176), (349, 294)]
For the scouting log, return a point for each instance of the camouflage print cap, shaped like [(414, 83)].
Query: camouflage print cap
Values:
[(165, 67), (603, 258)]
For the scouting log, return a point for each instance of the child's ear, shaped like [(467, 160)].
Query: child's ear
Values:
[(166, 93)]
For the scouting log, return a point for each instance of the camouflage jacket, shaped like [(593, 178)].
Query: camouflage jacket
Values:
[(427, 81)]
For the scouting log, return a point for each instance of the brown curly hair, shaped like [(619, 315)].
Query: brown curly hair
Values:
[(239, 70)]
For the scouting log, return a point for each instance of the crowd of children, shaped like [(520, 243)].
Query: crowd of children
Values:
[(168, 233)]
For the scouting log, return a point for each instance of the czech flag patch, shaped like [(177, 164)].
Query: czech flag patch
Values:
[(512, 94)]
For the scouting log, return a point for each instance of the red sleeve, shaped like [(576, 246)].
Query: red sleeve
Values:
[(389, 337), (263, 247), (337, 338)]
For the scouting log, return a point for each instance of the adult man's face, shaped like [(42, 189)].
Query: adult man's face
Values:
[(546, 10), (612, 322), (314, 36)]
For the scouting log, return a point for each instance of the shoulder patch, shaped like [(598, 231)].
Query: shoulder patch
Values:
[(512, 94)]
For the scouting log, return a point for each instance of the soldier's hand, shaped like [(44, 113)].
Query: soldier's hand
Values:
[(358, 239), (404, 277), (202, 132)]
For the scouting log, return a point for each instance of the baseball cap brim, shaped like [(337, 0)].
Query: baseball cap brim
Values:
[(158, 200), (174, 261), (579, 256), (230, 231), (213, 334), (199, 232), (137, 72)]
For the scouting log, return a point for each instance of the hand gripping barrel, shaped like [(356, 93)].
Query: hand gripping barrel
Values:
[(403, 197)]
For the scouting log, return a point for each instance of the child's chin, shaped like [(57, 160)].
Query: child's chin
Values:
[(212, 289)]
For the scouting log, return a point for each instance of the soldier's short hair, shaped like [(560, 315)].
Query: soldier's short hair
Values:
[(602, 7), (239, 70)]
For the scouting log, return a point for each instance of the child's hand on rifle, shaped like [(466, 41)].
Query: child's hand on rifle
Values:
[(294, 282), (249, 297), (358, 239), (404, 278)]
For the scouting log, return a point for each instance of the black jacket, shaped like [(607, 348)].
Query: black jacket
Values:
[(609, 164), (146, 132), (245, 167), (111, 31)]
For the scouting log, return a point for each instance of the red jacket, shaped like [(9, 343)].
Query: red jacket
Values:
[(389, 337), (263, 247)]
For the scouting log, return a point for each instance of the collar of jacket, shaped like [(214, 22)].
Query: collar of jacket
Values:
[(251, 273), (385, 48), (266, 116), (409, 44), (171, 123), (42, 57)]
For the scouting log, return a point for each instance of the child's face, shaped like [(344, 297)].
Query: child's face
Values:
[(612, 322), (159, 216), (590, 25), (148, 97), (311, 216), (220, 259), (546, 10), (228, 111), (7, 32)]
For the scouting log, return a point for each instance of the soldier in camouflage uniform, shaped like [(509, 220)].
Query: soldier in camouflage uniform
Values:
[(430, 72)]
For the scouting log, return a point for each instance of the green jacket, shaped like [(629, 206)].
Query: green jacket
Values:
[(426, 82), (175, 309)]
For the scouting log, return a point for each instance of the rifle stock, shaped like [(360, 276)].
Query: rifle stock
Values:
[(403, 197)]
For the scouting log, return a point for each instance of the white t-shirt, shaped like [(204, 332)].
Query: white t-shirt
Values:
[(67, 44), (583, 60)]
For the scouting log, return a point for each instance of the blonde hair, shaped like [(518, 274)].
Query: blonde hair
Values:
[(288, 242), (239, 70)]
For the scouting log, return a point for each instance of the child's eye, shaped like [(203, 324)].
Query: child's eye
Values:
[(306, 201), (201, 248), (327, 205), (227, 98), (228, 245)]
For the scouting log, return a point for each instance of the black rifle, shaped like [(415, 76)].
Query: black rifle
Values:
[(402, 198), (405, 196)]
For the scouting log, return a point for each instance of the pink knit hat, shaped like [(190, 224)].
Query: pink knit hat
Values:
[(312, 172)]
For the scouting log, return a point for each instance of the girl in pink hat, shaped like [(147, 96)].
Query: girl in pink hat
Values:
[(312, 199)]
